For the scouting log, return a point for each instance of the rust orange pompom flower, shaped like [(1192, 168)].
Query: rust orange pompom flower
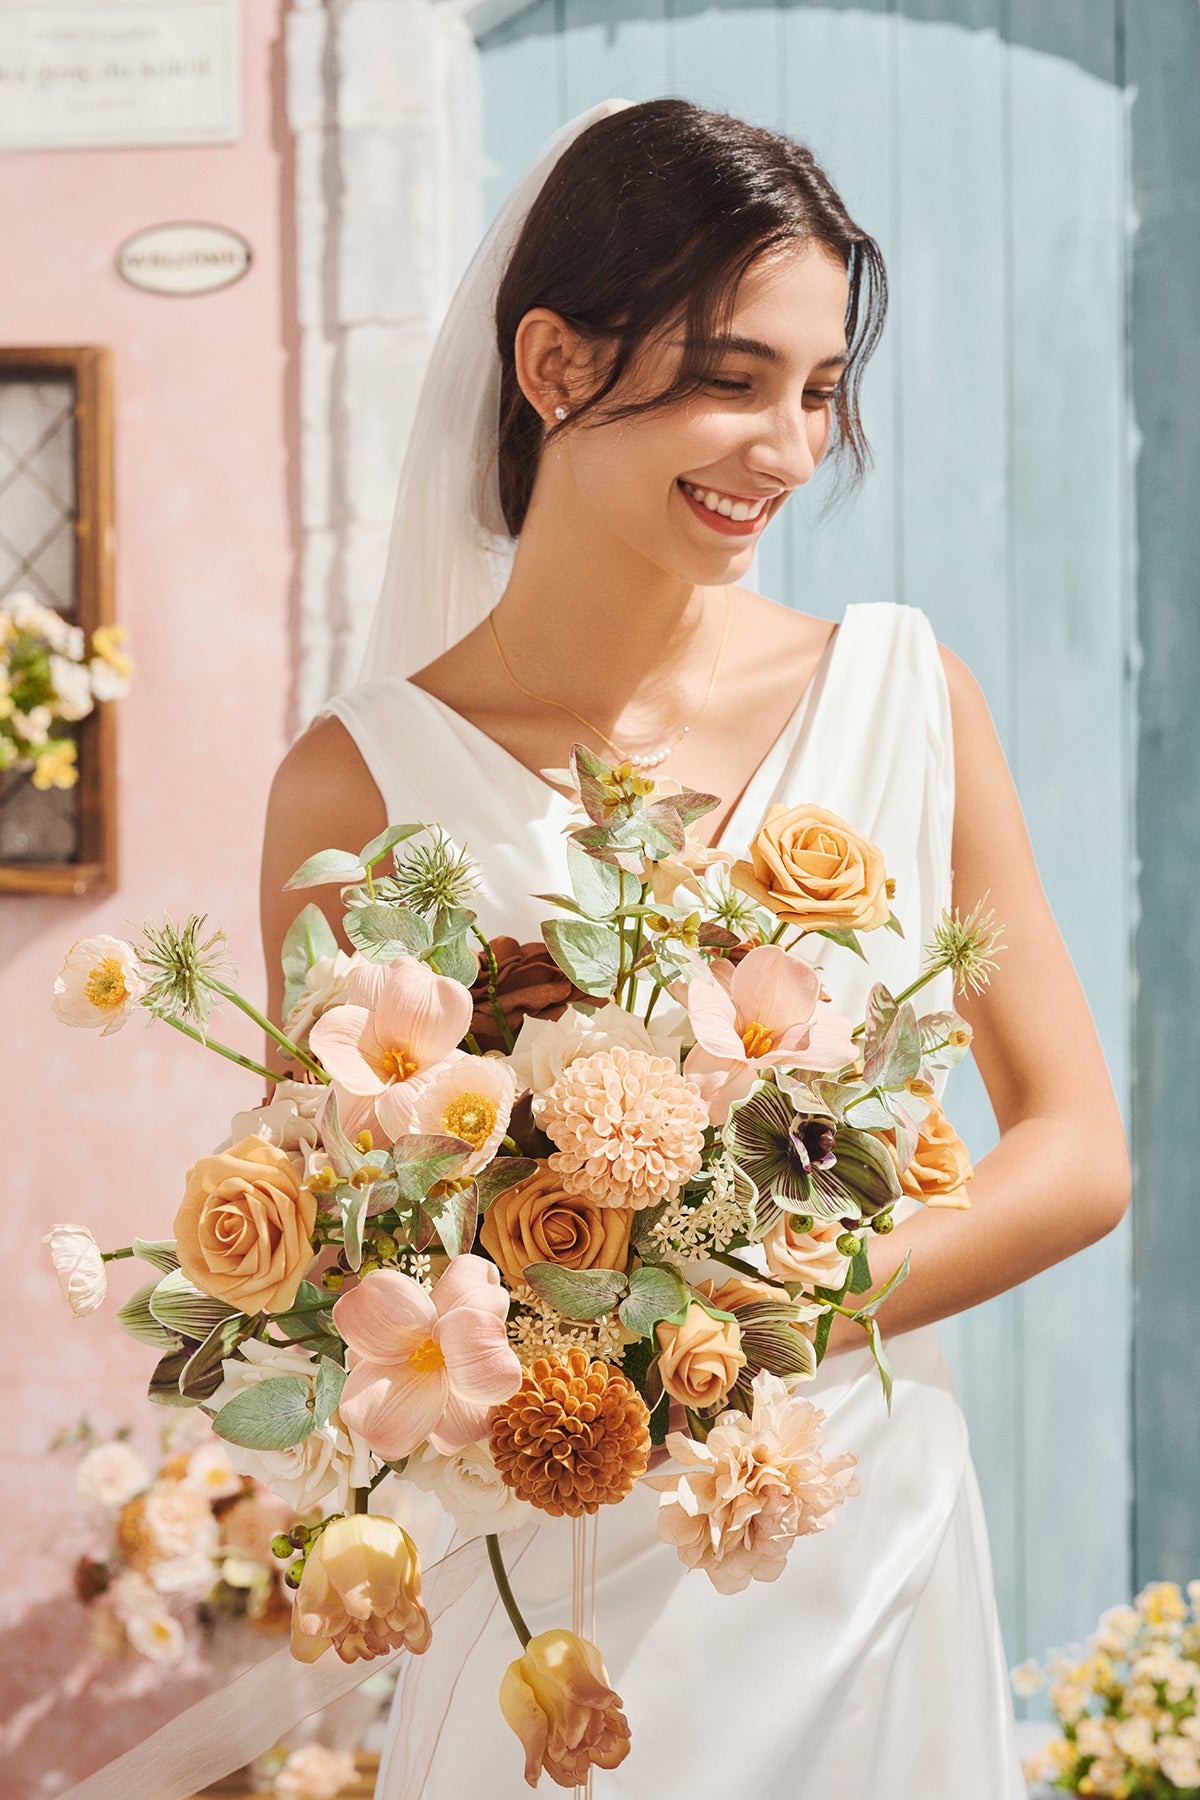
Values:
[(575, 1436)]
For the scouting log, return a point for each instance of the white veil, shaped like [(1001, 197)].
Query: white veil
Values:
[(450, 553)]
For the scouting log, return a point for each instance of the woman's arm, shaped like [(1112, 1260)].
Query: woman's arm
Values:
[(1059, 1178), (322, 798)]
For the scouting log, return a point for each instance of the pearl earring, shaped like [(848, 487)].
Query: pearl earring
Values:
[(560, 412)]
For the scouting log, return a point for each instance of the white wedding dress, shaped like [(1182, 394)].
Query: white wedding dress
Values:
[(873, 1668)]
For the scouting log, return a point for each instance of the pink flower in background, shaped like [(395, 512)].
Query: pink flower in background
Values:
[(401, 1021), (763, 1013), (425, 1365)]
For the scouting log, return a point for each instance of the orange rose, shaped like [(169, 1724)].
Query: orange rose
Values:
[(808, 867), (243, 1231), (699, 1360), (536, 1221), (808, 1256), (939, 1172)]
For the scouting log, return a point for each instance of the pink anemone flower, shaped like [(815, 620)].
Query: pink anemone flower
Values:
[(400, 1021), (426, 1365), (760, 1014)]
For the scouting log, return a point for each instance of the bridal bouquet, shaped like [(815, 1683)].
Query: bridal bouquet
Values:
[(522, 1208), (48, 679)]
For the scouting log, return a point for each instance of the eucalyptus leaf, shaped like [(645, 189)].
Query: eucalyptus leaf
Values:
[(935, 1029), (160, 1253), (328, 1389), (457, 959), (455, 1216), (598, 886), (869, 1113), (325, 868), (136, 1318), (182, 1308), (269, 1415), (202, 1375), (587, 952), (353, 1205), (382, 933), (310, 1311), (422, 1158), (655, 1292), (387, 840), (577, 1293), (309, 938), (505, 1172), (839, 935), (860, 1271)]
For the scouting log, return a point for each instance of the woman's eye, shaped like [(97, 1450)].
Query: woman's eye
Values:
[(732, 387), (823, 396)]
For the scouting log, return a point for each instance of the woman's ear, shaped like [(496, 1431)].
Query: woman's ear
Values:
[(553, 361)]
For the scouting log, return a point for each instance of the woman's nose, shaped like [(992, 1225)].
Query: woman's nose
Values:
[(783, 450)]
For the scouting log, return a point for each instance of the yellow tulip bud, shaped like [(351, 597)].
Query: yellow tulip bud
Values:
[(360, 1592), (557, 1699)]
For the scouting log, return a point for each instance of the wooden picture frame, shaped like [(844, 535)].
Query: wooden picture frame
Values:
[(86, 374)]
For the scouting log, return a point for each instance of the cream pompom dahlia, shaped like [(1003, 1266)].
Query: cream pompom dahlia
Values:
[(628, 1126)]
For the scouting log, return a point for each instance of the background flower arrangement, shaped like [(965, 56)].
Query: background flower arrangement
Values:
[(515, 1202), (49, 678), (1126, 1709)]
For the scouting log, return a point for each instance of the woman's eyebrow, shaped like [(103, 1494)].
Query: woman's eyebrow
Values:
[(748, 346)]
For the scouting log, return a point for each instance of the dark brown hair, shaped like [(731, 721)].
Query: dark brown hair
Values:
[(658, 211)]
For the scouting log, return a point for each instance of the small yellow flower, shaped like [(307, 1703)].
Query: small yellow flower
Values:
[(106, 642), (57, 767), (1162, 1603)]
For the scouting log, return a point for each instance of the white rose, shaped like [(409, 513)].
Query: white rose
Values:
[(545, 1047), (289, 1121), (327, 1464), (79, 1267), (111, 1474), (470, 1487), (326, 984), (72, 689)]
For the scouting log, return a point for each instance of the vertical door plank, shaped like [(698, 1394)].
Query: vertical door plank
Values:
[(522, 95), (613, 49)]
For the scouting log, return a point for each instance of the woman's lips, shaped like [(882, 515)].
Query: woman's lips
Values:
[(718, 522)]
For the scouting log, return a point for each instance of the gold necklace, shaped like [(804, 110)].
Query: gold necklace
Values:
[(647, 759)]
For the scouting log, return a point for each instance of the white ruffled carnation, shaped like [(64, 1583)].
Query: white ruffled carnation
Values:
[(471, 1489), (289, 1121), (110, 1474), (545, 1047), (324, 1468), (79, 1265)]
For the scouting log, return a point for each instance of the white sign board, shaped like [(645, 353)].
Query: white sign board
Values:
[(188, 258), (76, 75)]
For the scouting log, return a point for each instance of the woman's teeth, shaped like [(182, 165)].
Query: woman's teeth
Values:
[(721, 503)]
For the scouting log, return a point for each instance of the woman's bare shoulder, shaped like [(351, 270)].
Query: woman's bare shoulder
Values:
[(325, 768)]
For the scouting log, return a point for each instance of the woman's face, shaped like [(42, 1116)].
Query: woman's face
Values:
[(757, 430)]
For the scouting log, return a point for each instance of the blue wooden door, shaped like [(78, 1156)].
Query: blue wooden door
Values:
[(983, 143)]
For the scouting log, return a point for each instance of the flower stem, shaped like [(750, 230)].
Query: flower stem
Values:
[(358, 1500), (234, 1056), (735, 1262), (506, 1594), (638, 934), (652, 1003), (115, 1255), (778, 932), (502, 1023), (935, 968), (292, 1051)]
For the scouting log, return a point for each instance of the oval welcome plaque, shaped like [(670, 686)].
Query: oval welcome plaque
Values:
[(186, 258)]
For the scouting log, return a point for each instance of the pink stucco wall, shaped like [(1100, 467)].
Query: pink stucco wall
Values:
[(101, 1131)]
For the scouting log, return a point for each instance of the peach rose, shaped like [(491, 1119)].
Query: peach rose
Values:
[(939, 1172), (536, 1221), (243, 1232), (809, 867), (699, 1360), (808, 1256)]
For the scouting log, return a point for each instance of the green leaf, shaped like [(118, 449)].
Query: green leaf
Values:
[(421, 1158), (599, 887), (136, 1318), (387, 840), (331, 1379), (881, 1361), (159, 1252), (837, 935), (353, 1205), (309, 1312), (325, 868), (382, 933), (202, 1374), (164, 1383), (860, 1272), (892, 923), (457, 959), (501, 1175), (577, 1293), (588, 953), (876, 1301), (270, 1415), (181, 1307), (309, 938), (655, 1292), (455, 1216)]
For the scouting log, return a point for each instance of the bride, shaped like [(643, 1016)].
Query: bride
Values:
[(658, 342)]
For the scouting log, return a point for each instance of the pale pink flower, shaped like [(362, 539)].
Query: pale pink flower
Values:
[(99, 984), (110, 1474), (628, 1126), (425, 1365), (79, 1265), (808, 1256), (753, 1487), (314, 1772), (761, 1014), (211, 1473), (158, 1637), (468, 1097), (401, 1021)]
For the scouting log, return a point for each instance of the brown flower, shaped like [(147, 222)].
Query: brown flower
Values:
[(699, 1360), (531, 985), (939, 1171), (243, 1231), (537, 1221), (810, 868), (575, 1435)]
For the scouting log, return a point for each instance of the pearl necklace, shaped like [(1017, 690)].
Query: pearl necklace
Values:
[(643, 759)]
